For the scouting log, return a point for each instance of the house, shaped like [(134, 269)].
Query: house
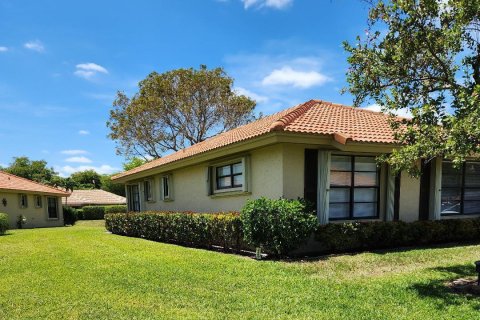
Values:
[(320, 151), (41, 205), (95, 197)]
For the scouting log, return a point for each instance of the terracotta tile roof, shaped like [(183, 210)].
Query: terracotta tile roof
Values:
[(80, 198), (343, 123), (11, 182)]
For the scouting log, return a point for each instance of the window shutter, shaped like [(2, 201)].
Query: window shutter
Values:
[(208, 180), (323, 185), (246, 174)]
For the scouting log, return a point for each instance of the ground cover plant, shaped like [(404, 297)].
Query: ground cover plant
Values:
[(83, 272)]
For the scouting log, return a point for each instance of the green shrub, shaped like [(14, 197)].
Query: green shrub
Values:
[(194, 229), (278, 226), (70, 215), (93, 212), (358, 236), (80, 214), (116, 209), (3, 223)]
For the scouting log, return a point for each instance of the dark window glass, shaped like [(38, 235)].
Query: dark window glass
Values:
[(229, 176), (460, 189), (354, 185), (52, 207), (166, 188)]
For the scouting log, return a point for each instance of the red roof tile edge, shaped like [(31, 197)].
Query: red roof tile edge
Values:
[(278, 125), (54, 190)]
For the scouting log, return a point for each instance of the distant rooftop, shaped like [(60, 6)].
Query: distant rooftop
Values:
[(81, 198)]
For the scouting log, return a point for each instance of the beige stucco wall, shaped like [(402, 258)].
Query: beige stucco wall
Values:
[(409, 203), (190, 187), (293, 170), (36, 217), (276, 171)]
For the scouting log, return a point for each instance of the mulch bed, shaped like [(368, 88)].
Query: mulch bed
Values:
[(464, 286)]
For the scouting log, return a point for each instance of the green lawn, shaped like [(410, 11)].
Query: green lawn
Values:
[(82, 272)]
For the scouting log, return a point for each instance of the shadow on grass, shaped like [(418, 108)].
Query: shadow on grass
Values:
[(441, 294), (312, 257)]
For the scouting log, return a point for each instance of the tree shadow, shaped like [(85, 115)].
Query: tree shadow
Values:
[(442, 295)]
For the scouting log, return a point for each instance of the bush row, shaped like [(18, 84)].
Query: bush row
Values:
[(193, 229), (360, 236), (98, 212), (3, 223)]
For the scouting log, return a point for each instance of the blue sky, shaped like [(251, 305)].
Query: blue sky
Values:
[(61, 63)]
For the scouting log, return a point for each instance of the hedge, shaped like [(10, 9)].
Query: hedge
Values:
[(361, 236), (3, 223), (277, 226), (193, 229), (98, 212), (70, 215)]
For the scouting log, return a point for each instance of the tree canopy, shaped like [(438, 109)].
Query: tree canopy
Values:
[(133, 163), (87, 179), (176, 109), (35, 170), (422, 56)]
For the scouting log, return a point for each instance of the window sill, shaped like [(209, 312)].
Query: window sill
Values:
[(167, 200), (348, 220), (232, 193), (53, 219)]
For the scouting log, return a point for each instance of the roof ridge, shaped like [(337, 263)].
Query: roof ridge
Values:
[(284, 121), (31, 181)]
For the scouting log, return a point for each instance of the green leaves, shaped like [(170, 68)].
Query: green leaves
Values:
[(424, 57), (279, 226), (176, 109)]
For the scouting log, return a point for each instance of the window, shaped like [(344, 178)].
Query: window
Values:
[(460, 189), (52, 208), (23, 201), (147, 190), (133, 196), (354, 188), (229, 176), (38, 201), (167, 188)]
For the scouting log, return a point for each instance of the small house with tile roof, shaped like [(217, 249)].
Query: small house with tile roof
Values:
[(321, 151), (94, 197), (39, 204)]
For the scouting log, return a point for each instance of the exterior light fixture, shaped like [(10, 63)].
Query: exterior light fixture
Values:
[(4, 202)]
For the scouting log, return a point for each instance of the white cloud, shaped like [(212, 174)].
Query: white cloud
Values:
[(88, 70), (258, 98), (3, 49), (65, 171), (400, 113), (73, 152), (80, 159), (35, 45), (83, 132), (275, 4), (286, 76)]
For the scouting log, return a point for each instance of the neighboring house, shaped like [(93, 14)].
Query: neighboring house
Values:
[(320, 151), (95, 197), (41, 205)]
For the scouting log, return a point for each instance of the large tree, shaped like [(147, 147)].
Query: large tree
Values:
[(87, 179), (422, 56), (36, 170), (175, 109)]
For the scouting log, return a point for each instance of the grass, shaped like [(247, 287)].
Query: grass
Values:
[(82, 272)]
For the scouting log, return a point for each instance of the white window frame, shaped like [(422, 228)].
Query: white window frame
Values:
[(212, 179), (169, 180), (38, 201), (23, 204)]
